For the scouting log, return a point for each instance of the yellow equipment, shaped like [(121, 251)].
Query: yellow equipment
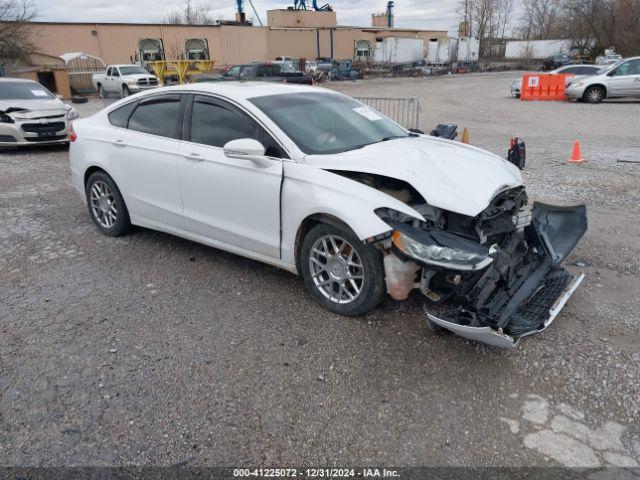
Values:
[(182, 68)]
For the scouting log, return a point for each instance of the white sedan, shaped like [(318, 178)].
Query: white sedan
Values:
[(319, 184)]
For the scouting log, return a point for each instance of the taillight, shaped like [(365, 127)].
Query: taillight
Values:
[(72, 134)]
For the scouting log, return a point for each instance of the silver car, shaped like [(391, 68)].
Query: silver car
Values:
[(621, 80), (578, 70), (29, 113)]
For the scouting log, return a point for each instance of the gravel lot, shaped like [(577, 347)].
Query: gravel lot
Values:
[(152, 350)]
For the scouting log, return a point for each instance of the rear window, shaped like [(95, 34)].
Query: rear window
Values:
[(157, 116), (120, 116), (24, 91)]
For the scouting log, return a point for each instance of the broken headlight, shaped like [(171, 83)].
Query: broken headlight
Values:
[(440, 249)]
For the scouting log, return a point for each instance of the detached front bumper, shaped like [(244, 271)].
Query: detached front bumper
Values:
[(520, 294), (499, 339)]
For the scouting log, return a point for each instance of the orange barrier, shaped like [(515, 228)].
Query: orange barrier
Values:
[(537, 86)]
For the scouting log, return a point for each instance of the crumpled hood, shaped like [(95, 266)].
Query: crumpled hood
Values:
[(34, 108), (449, 175)]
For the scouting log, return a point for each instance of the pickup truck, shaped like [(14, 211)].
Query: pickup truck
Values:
[(123, 80), (263, 72)]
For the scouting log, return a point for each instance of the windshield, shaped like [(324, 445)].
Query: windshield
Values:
[(325, 123), (284, 67), (133, 70), (609, 67), (24, 91)]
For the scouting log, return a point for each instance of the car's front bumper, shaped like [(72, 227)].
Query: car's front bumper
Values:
[(133, 88), (574, 91), (500, 339), (34, 132), (500, 309)]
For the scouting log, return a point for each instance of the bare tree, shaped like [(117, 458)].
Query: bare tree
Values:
[(487, 19), (15, 41), (540, 19), (190, 13)]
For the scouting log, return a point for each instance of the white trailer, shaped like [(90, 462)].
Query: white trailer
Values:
[(442, 51), (468, 50), (396, 50), (536, 49)]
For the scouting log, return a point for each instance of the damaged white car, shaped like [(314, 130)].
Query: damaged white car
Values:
[(319, 184)]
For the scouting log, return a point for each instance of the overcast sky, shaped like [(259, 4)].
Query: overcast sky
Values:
[(426, 14)]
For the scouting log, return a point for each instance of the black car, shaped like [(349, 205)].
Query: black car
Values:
[(267, 72), (556, 61)]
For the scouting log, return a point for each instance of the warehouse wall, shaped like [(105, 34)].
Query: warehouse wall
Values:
[(228, 44)]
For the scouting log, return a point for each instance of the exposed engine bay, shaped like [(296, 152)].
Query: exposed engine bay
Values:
[(502, 267)]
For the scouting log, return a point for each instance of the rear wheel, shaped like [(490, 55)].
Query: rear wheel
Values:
[(106, 205), (340, 272), (594, 94)]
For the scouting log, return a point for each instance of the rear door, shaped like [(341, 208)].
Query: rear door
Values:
[(232, 201), (144, 155)]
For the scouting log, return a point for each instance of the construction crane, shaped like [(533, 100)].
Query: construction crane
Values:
[(302, 5), (241, 14), (389, 13)]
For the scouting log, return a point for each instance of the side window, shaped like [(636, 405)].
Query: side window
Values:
[(571, 70), (109, 72), (120, 116), (248, 71), (263, 71), (157, 116), (272, 149), (632, 67), (115, 72), (233, 72), (214, 123)]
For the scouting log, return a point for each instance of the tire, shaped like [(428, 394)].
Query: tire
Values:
[(594, 95), (101, 92), (103, 197), (351, 283), (125, 91), (79, 99)]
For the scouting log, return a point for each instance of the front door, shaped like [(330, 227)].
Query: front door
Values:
[(234, 202), (625, 80)]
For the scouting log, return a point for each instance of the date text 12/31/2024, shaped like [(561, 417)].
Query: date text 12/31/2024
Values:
[(315, 473)]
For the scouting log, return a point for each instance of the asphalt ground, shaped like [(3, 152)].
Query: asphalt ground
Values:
[(152, 350)]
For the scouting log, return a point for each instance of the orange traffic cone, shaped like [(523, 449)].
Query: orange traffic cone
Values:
[(576, 154), (465, 136)]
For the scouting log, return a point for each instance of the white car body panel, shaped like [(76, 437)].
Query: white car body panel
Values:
[(238, 206), (448, 174)]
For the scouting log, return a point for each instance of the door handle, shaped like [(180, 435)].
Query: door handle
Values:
[(119, 143), (195, 157)]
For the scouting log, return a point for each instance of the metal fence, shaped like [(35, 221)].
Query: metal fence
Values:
[(405, 111)]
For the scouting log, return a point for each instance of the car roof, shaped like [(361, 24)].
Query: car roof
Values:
[(242, 90), (16, 79)]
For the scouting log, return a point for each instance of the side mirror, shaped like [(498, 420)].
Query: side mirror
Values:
[(247, 149)]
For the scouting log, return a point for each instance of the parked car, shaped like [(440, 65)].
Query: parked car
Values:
[(29, 113), (264, 72), (123, 80), (556, 61), (621, 80), (577, 70), (609, 58), (319, 184)]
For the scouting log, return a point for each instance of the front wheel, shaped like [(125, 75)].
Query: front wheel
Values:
[(125, 91), (340, 272), (102, 93), (106, 205), (594, 94)]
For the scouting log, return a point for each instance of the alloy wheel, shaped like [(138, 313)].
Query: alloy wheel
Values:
[(336, 269), (103, 204)]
